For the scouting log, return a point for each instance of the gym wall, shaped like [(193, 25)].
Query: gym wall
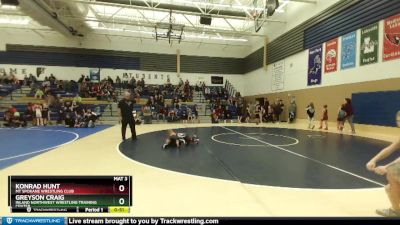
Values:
[(151, 77), (335, 86), (333, 96)]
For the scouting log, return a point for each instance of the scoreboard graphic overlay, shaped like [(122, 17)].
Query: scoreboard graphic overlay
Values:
[(75, 194)]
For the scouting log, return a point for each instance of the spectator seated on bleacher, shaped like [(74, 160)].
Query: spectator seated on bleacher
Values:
[(46, 82), (8, 79), (84, 89), (227, 114), (13, 118), (189, 114), (147, 114), (162, 113), (195, 112), (207, 92), (29, 80), (219, 112), (86, 120), (182, 113), (78, 98), (29, 114), (214, 117), (39, 94), (80, 122), (172, 114), (69, 120), (52, 79)]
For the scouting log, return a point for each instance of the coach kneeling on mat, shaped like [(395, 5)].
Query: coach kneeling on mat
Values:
[(392, 171), (125, 108)]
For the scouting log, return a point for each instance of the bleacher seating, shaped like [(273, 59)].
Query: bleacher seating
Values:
[(71, 89), (6, 89), (94, 101), (99, 108)]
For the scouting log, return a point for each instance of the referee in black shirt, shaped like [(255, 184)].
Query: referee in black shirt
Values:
[(125, 109)]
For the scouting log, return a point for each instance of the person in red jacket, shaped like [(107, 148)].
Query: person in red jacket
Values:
[(324, 119), (348, 108), (12, 110)]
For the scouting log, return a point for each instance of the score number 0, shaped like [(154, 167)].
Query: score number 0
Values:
[(121, 188)]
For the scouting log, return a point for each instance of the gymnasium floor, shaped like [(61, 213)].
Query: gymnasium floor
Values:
[(236, 170), (21, 144)]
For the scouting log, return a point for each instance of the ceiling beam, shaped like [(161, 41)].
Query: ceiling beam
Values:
[(38, 33), (150, 24), (164, 10), (188, 20), (234, 44), (230, 25), (237, 44), (193, 7), (115, 13)]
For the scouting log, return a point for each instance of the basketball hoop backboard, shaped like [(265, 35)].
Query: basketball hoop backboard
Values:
[(259, 13), (170, 31)]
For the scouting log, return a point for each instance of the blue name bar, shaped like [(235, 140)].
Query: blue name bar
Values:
[(33, 221)]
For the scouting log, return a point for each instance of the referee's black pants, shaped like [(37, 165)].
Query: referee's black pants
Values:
[(131, 125)]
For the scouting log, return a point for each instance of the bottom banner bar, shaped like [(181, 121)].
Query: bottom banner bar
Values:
[(191, 220)]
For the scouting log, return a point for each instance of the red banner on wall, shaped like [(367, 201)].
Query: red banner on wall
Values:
[(391, 39), (331, 53)]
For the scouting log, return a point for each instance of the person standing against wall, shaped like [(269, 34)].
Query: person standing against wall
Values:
[(125, 110), (248, 113), (278, 109), (292, 110), (282, 108), (258, 113), (324, 119), (239, 108), (348, 108), (266, 103), (311, 113)]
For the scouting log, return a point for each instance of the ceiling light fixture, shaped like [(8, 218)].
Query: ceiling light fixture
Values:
[(281, 6), (8, 7), (14, 21)]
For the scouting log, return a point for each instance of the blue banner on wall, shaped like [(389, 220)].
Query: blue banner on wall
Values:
[(314, 65), (349, 43)]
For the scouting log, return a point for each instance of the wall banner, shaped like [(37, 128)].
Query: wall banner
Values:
[(369, 44), (331, 52), (349, 43), (391, 38), (314, 65)]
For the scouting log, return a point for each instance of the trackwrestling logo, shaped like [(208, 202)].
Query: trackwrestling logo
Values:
[(33, 220)]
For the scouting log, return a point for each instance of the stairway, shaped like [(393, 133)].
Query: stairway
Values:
[(204, 111), (110, 115)]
